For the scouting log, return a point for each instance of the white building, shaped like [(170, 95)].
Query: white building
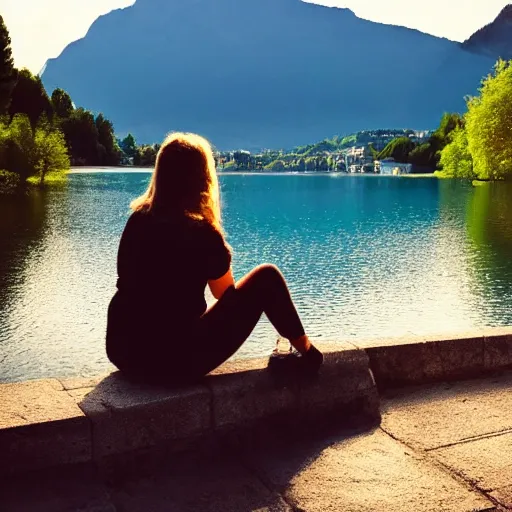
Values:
[(391, 168)]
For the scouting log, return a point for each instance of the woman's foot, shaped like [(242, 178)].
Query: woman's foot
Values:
[(285, 362), (312, 360)]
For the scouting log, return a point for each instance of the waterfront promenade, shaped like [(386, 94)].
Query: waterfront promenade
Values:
[(440, 441)]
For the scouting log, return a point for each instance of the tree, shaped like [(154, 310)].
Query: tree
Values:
[(489, 125), (424, 155), (19, 147), (62, 104), (276, 165), (398, 149), (129, 146), (242, 159), (7, 71), (81, 136), (449, 122), (374, 153), (29, 97), (50, 151), (107, 140), (456, 160)]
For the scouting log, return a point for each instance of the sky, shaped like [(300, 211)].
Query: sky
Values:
[(41, 29)]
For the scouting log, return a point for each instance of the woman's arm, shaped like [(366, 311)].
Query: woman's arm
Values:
[(219, 286)]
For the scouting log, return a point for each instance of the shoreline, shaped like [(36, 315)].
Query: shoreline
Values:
[(220, 172)]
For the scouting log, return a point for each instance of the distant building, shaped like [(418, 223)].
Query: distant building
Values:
[(391, 168), (357, 157)]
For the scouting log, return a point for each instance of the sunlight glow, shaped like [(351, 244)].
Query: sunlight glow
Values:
[(454, 19)]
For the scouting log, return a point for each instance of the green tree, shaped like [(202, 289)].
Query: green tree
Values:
[(398, 149), (242, 160), (19, 148), (81, 136), (456, 160), (424, 155), (146, 155), (29, 97), (50, 151), (7, 71), (107, 140), (62, 104), (373, 151), (129, 146), (449, 122), (489, 125), (276, 165)]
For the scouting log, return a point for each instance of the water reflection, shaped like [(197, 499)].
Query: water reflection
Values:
[(489, 227), (23, 218)]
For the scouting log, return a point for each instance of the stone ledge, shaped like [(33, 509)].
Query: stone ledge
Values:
[(48, 423), (417, 359), (243, 392), (126, 416), (41, 425)]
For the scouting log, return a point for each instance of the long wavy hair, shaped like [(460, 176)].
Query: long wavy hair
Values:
[(184, 182)]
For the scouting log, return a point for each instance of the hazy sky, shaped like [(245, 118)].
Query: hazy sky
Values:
[(42, 28)]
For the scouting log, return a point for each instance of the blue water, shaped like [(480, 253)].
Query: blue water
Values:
[(365, 257)]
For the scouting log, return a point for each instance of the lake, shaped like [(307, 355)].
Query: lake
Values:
[(365, 257)]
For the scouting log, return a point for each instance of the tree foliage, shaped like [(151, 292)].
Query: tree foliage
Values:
[(109, 151), (81, 136), (7, 71), (28, 152), (62, 104), (146, 155), (456, 160), (29, 97), (129, 146), (398, 149), (50, 151), (489, 125)]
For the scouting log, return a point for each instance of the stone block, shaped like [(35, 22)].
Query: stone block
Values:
[(126, 416), (427, 360), (244, 392), (498, 349), (344, 389), (41, 426)]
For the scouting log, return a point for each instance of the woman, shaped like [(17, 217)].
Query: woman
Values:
[(159, 329)]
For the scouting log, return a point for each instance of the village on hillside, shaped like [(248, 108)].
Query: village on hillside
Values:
[(363, 152)]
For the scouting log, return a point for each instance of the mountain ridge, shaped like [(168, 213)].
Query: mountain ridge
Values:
[(256, 74), (495, 38)]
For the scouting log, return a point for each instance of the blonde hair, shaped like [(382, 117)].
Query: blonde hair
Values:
[(184, 181)]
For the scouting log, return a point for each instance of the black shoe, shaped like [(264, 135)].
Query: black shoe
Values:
[(311, 361), (295, 365)]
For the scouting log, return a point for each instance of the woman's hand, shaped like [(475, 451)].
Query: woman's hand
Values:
[(219, 286)]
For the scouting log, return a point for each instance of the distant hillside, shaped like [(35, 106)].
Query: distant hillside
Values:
[(377, 138), (260, 73), (494, 39)]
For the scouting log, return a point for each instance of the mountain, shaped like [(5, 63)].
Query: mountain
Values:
[(494, 39), (261, 73)]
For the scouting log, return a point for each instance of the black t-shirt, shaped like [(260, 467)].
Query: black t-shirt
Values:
[(164, 266)]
